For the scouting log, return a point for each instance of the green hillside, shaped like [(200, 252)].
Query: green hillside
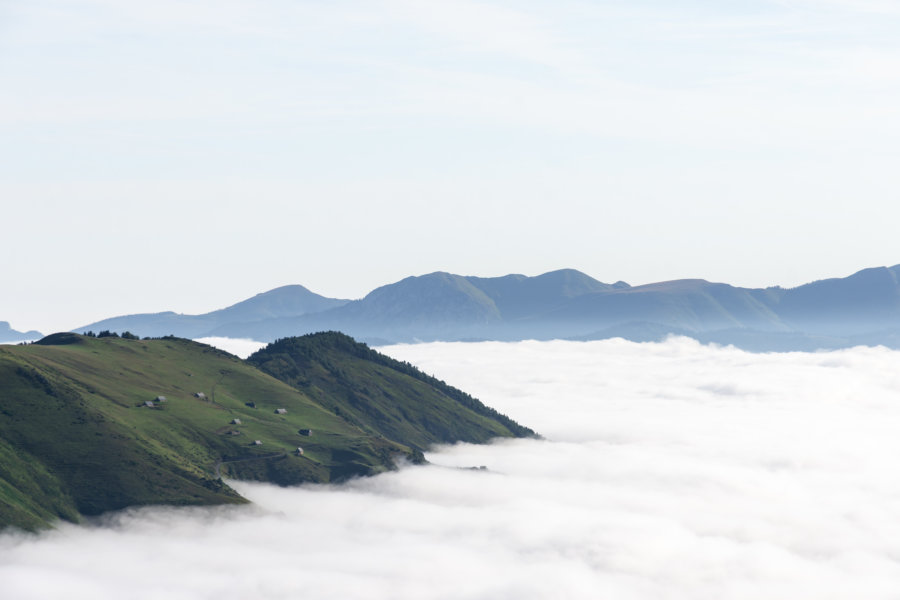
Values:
[(383, 396), (77, 439)]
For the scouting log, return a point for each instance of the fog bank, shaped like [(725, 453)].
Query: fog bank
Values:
[(238, 346), (667, 470)]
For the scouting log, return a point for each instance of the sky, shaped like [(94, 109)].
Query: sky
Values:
[(667, 470), (187, 155)]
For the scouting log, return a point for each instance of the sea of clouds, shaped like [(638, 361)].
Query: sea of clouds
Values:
[(669, 470), (242, 347)]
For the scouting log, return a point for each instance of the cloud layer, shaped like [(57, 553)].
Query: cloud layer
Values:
[(238, 346), (668, 470)]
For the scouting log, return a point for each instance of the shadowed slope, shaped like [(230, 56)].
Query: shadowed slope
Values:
[(427, 412)]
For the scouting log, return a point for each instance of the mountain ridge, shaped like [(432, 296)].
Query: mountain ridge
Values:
[(8, 334), (292, 300), (568, 304)]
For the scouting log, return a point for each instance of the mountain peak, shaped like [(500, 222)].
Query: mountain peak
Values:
[(8, 334), (285, 301), (433, 297)]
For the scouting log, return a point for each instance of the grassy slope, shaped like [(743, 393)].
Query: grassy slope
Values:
[(74, 438), (383, 396)]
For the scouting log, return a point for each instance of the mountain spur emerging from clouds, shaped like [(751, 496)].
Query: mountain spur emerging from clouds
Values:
[(862, 309), (90, 425), (668, 470)]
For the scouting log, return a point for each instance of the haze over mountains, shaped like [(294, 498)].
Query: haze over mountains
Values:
[(8, 334), (289, 300), (863, 308)]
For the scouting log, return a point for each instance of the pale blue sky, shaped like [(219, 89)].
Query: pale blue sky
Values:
[(186, 155)]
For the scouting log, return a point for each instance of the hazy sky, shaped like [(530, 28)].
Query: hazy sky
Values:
[(186, 155), (669, 470)]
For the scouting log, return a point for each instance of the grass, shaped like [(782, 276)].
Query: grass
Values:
[(381, 395), (77, 439)]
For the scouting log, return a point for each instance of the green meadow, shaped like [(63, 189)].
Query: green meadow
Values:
[(83, 429)]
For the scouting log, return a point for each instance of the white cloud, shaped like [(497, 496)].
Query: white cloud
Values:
[(491, 28), (848, 7), (668, 470), (237, 346)]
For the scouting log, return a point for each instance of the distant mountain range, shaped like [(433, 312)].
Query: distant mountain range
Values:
[(8, 334), (286, 301), (863, 308)]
